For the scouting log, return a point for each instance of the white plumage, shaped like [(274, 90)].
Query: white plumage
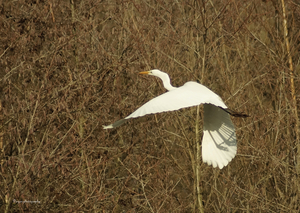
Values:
[(219, 140)]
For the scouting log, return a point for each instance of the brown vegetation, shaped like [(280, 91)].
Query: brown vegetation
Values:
[(68, 67)]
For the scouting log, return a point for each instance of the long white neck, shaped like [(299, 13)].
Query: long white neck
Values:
[(166, 81)]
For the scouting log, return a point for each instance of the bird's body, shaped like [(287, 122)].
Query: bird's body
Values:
[(219, 139)]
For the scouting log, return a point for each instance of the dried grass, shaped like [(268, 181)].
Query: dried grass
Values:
[(68, 67)]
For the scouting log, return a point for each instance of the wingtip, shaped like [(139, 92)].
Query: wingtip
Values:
[(215, 164), (107, 127)]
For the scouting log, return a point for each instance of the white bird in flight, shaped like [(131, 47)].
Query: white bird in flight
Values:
[(219, 144)]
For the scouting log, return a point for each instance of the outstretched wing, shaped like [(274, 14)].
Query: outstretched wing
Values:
[(219, 140), (188, 95)]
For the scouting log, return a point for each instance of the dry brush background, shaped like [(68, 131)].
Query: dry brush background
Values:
[(69, 67)]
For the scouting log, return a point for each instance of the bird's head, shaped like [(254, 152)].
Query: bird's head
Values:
[(154, 72), (162, 75)]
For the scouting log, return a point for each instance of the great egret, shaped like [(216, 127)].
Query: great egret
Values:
[(219, 140)]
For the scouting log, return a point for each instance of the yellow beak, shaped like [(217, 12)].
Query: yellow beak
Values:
[(144, 73)]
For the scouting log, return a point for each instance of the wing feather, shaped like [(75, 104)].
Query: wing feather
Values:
[(188, 95), (219, 144)]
